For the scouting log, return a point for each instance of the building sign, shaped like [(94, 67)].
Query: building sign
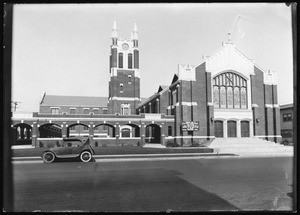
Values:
[(152, 116), (190, 126)]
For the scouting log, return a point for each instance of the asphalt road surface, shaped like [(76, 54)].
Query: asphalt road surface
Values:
[(168, 185)]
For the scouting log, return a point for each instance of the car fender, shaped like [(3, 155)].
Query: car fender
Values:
[(48, 151), (87, 150)]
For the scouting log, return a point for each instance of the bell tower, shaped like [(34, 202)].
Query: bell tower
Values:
[(124, 82)]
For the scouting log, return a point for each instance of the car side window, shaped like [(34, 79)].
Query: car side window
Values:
[(76, 144)]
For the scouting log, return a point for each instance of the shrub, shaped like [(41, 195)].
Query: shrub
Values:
[(285, 142), (195, 144), (41, 144), (172, 144), (96, 144)]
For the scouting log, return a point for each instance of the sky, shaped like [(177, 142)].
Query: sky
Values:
[(63, 49)]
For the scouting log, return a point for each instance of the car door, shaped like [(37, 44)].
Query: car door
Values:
[(76, 147), (65, 150)]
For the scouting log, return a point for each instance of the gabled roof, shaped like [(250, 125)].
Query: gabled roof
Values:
[(161, 88), (143, 100), (175, 78), (83, 101)]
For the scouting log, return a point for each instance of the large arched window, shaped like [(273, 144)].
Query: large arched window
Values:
[(230, 91), (120, 60), (129, 61)]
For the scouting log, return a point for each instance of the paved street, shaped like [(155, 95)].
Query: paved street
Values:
[(160, 185)]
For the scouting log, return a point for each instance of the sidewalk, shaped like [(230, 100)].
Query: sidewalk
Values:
[(133, 156), (145, 153), (23, 147)]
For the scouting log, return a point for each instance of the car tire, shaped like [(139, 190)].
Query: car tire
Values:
[(85, 156), (48, 157)]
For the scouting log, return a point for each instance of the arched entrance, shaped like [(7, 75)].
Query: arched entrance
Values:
[(245, 129), (50, 130), (129, 130), (126, 132), (231, 129), (152, 133), (78, 130), (23, 134), (104, 130), (218, 128)]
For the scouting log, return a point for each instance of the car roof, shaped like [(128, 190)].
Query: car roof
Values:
[(71, 139)]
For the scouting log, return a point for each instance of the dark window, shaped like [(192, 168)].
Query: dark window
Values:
[(125, 132), (129, 79), (54, 110), (104, 111), (287, 133), (120, 60), (169, 130), (72, 128), (72, 111), (121, 88), (129, 61), (96, 111), (85, 128), (287, 117), (85, 111)]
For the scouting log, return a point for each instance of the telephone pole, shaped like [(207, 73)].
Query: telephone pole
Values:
[(15, 103)]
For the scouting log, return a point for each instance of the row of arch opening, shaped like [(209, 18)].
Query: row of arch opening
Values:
[(23, 131)]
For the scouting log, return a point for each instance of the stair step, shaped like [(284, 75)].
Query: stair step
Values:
[(250, 147)]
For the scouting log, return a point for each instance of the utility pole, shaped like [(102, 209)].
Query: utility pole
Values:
[(15, 103)]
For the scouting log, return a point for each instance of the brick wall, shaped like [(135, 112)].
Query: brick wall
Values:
[(46, 109), (257, 87), (164, 102), (200, 98)]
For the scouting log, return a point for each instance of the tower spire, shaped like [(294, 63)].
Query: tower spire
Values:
[(135, 27), (135, 32), (114, 33), (229, 36)]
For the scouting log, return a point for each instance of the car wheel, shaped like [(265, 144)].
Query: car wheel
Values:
[(85, 156), (48, 157)]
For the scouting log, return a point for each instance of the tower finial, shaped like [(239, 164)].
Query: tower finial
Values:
[(135, 32), (229, 36), (135, 27), (114, 32), (115, 25)]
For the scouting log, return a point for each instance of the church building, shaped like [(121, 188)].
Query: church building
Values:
[(226, 95)]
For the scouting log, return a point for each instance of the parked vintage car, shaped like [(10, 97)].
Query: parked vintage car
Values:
[(71, 148)]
